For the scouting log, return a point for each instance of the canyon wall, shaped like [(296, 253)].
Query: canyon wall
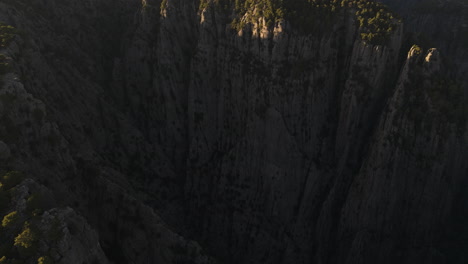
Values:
[(263, 144)]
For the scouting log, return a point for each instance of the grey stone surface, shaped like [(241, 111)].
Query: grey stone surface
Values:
[(264, 145)]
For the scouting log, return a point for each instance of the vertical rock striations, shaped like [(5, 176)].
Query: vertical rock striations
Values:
[(263, 140)]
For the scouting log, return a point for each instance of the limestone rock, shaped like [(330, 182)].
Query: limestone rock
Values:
[(155, 121)]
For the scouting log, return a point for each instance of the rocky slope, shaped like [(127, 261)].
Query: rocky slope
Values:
[(40, 233), (45, 133), (264, 143)]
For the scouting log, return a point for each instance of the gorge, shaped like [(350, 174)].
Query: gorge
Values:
[(187, 131)]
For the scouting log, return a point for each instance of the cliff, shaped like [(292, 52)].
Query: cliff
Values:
[(441, 24), (263, 141)]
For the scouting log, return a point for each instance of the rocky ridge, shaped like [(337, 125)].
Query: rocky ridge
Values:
[(263, 144)]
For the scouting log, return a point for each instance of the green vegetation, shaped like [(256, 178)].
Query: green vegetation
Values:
[(376, 22), (437, 97), (10, 219), (7, 33), (163, 4), (45, 260), (305, 15), (27, 238), (19, 231), (417, 49)]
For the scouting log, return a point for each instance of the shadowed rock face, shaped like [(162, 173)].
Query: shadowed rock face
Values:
[(441, 24), (265, 145)]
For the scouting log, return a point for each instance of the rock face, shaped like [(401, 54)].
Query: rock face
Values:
[(39, 232), (264, 144), (441, 24)]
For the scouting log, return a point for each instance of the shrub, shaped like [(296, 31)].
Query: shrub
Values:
[(376, 22), (26, 239), (163, 4), (417, 49), (7, 33), (45, 260), (10, 219)]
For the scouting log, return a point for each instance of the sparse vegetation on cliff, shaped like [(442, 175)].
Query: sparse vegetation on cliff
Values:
[(45, 260), (376, 22), (7, 33), (10, 219), (433, 97), (19, 231), (417, 49)]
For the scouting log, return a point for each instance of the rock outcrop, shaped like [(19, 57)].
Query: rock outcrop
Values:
[(441, 24), (263, 143), (33, 231)]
